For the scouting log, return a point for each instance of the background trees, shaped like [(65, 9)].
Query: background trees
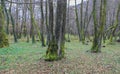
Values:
[(45, 21)]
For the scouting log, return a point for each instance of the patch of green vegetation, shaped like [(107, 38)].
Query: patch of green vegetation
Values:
[(21, 52), (77, 57)]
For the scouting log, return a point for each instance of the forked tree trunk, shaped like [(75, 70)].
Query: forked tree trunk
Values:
[(98, 29), (55, 49)]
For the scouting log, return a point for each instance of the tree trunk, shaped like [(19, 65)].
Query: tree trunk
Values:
[(47, 26), (42, 24), (32, 22), (77, 21), (3, 37), (98, 29), (13, 24), (55, 49), (68, 21)]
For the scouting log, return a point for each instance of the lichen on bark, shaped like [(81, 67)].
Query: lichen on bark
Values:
[(3, 37)]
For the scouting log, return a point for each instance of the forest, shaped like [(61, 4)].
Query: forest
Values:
[(59, 36)]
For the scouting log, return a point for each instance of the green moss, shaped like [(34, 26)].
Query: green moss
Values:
[(3, 40), (95, 48), (62, 50), (52, 52)]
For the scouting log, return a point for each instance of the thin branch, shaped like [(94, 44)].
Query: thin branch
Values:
[(21, 2)]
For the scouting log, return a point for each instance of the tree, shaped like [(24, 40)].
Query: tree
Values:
[(77, 21), (6, 16), (32, 22), (47, 26), (55, 49), (98, 29), (86, 21), (82, 24), (115, 25), (3, 38), (68, 20), (13, 23), (17, 21), (42, 24)]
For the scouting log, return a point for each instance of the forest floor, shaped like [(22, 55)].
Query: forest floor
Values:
[(27, 58)]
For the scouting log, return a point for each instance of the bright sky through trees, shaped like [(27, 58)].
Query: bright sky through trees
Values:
[(72, 2)]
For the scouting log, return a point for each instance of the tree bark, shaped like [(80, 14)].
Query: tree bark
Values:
[(3, 38), (98, 29), (42, 24), (55, 49)]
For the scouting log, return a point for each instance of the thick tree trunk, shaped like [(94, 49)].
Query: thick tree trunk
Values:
[(98, 29), (6, 15), (52, 45), (56, 45), (3, 37)]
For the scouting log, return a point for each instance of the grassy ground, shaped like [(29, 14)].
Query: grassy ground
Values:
[(27, 58)]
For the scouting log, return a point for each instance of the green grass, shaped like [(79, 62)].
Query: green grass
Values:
[(21, 52), (25, 57)]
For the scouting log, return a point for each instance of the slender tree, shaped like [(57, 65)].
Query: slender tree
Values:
[(82, 24), (68, 20), (42, 24), (47, 26), (17, 20), (32, 22), (13, 23), (77, 21), (115, 25)]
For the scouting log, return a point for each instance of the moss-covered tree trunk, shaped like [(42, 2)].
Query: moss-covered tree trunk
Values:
[(115, 25), (6, 15), (52, 46), (3, 38), (98, 29), (55, 49), (32, 22)]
